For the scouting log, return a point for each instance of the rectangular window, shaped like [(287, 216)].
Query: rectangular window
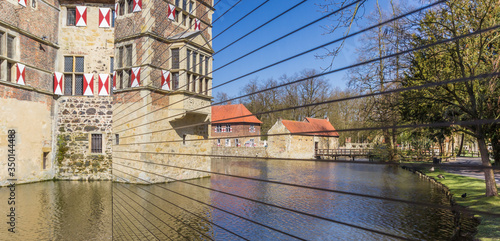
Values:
[(33, 5), (184, 139), (68, 64), (252, 128), (120, 57), (68, 84), (122, 8), (188, 59), (206, 86), (96, 143), (218, 142), (228, 128), (200, 68), (184, 4), (117, 139), (45, 157), (113, 13), (9, 71), (78, 84), (218, 128), (10, 46), (177, 3), (122, 81), (175, 58), (128, 48), (184, 17), (236, 142), (200, 90), (111, 64), (1, 43), (193, 84), (71, 17), (228, 142), (188, 82), (130, 6), (206, 65), (175, 80), (190, 6), (79, 64), (194, 62), (177, 12)]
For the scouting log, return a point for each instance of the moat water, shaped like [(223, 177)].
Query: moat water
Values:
[(66, 210)]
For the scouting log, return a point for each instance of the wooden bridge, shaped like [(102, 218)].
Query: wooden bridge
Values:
[(351, 153)]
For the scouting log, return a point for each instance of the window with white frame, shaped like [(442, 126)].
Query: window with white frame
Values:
[(228, 128), (252, 128), (228, 142), (73, 75), (218, 128)]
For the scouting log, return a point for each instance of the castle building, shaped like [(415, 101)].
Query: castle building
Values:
[(235, 125), (74, 75)]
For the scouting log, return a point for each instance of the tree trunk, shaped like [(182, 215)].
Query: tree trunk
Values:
[(489, 177), (461, 145), (495, 144)]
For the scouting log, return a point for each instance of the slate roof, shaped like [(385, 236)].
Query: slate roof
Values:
[(323, 127), (220, 114)]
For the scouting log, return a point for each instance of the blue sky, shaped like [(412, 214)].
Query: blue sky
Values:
[(296, 43)]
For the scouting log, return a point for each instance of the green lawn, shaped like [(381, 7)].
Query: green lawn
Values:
[(489, 229)]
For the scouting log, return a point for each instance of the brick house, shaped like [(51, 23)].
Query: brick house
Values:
[(65, 66), (299, 139), (235, 125)]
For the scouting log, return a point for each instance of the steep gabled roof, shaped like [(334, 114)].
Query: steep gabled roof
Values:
[(323, 127), (220, 114)]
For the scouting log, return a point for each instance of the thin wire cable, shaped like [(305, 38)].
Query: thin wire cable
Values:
[(175, 205), (278, 16), (129, 228), (189, 41), (431, 205), (124, 230), (133, 223), (169, 214), (272, 205), (128, 211), (215, 207), (317, 75), (387, 92), (276, 40)]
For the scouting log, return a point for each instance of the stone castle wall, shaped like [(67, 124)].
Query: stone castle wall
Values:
[(78, 118)]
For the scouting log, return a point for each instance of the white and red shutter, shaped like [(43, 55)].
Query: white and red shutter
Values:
[(22, 3), (81, 16), (114, 80), (135, 81), (197, 25), (165, 80), (58, 83), (103, 84), (104, 17), (137, 6), (21, 74), (171, 12), (116, 9), (88, 84)]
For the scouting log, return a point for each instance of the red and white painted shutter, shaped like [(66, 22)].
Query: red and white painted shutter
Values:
[(81, 16), (88, 84), (103, 84), (22, 3), (58, 83), (21, 70), (197, 25), (135, 80), (165, 80), (116, 9), (104, 17), (137, 6), (114, 80), (171, 12)]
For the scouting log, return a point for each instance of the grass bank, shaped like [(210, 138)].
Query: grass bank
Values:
[(489, 229)]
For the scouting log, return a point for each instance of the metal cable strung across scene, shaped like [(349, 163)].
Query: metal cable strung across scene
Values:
[(274, 41), (124, 230), (189, 41), (215, 207), (270, 204), (169, 214), (427, 85), (431, 205), (116, 205), (173, 204), (314, 76), (187, 84), (244, 36)]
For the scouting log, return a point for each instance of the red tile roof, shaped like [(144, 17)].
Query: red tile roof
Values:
[(221, 114), (323, 127)]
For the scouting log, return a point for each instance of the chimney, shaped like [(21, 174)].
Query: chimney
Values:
[(229, 102)]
